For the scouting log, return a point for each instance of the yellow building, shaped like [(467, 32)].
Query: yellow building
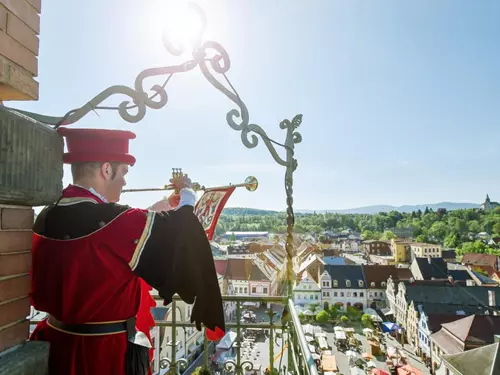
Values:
[(424, 250), (401, 251)]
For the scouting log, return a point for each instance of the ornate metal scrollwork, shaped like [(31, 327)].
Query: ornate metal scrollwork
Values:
[(174, 369), (214, 62), (232, 366)]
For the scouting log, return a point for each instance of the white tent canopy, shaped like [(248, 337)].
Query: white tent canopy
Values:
[(227, 341), (322, 343), (375, 317)]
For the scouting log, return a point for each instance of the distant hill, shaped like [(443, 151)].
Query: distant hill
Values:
[(247, 211), (407, 208), (360, 210)]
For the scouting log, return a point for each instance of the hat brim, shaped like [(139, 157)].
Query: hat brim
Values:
[(71, 158)]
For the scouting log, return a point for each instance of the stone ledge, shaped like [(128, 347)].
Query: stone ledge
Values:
[(30, 358), (31, 166), (16, 83)]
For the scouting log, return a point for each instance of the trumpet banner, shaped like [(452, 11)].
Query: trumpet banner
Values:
[(210, 206)]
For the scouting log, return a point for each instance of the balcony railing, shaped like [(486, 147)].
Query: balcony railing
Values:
[(287, 331)]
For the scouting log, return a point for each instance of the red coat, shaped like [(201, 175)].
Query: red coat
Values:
[(88, 260)]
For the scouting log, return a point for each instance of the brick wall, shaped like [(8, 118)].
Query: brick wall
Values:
[(15, 262), (19, 43)]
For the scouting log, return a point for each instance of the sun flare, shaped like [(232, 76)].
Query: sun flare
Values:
[(183, 25)]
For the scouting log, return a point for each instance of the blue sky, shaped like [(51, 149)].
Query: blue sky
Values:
[(401, 100)]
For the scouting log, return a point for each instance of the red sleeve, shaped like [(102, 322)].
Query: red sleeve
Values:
[(128, 233)]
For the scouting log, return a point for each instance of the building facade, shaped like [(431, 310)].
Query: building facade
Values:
[(375, 247), (307, 291), (344, 286), (425, 250)]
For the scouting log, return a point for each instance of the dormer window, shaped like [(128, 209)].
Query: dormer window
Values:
[(372, 284), (383, 284), (361, 283), (348, 283), (335, 283)]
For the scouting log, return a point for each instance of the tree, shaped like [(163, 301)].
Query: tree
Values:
[(496, 228), (438, 230), (476, 247), (313, 307), (422, 238), (388, 235), (450, 240), (353, 313), (370, 235), (474, 226), (441, 212), (333, 311), (344, 319), (322, 317), (367, 320), (302, 317), (232, 237)]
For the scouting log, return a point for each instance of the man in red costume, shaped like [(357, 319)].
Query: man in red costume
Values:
[(94, 262)]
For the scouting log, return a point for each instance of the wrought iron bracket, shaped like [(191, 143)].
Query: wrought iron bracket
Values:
[(213, 61)]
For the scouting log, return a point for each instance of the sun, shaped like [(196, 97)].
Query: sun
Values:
[(183, 24)]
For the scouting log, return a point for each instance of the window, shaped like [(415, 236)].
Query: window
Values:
[(335, 294), (354, 294), (348, 283), (254, 289), (342, 294), (383, 284), (264, 290), (375, 294), (316, 296), (372, 284), (335, 283), (361, 294), (246, 290), (348, 294), (361, 283)]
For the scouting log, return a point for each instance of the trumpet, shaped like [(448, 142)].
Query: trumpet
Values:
[(251, 184)]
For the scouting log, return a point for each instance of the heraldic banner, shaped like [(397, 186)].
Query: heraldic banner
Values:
[(210, 206)]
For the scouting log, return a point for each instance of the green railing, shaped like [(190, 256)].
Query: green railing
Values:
[(292, 356)]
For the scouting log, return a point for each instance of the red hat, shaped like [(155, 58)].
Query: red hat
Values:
[(97, 145)]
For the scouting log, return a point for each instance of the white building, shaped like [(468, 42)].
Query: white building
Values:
[(307, 291), (343, 286)]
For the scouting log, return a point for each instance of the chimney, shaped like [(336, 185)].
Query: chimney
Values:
[(429, 259), (491, 298)]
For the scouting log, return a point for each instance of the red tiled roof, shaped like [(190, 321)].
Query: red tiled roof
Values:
[(220, 266), (238, 269), (380, 273), (480, 259), (475, 329)]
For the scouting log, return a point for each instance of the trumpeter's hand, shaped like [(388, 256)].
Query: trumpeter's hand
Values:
[(181, 182)]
